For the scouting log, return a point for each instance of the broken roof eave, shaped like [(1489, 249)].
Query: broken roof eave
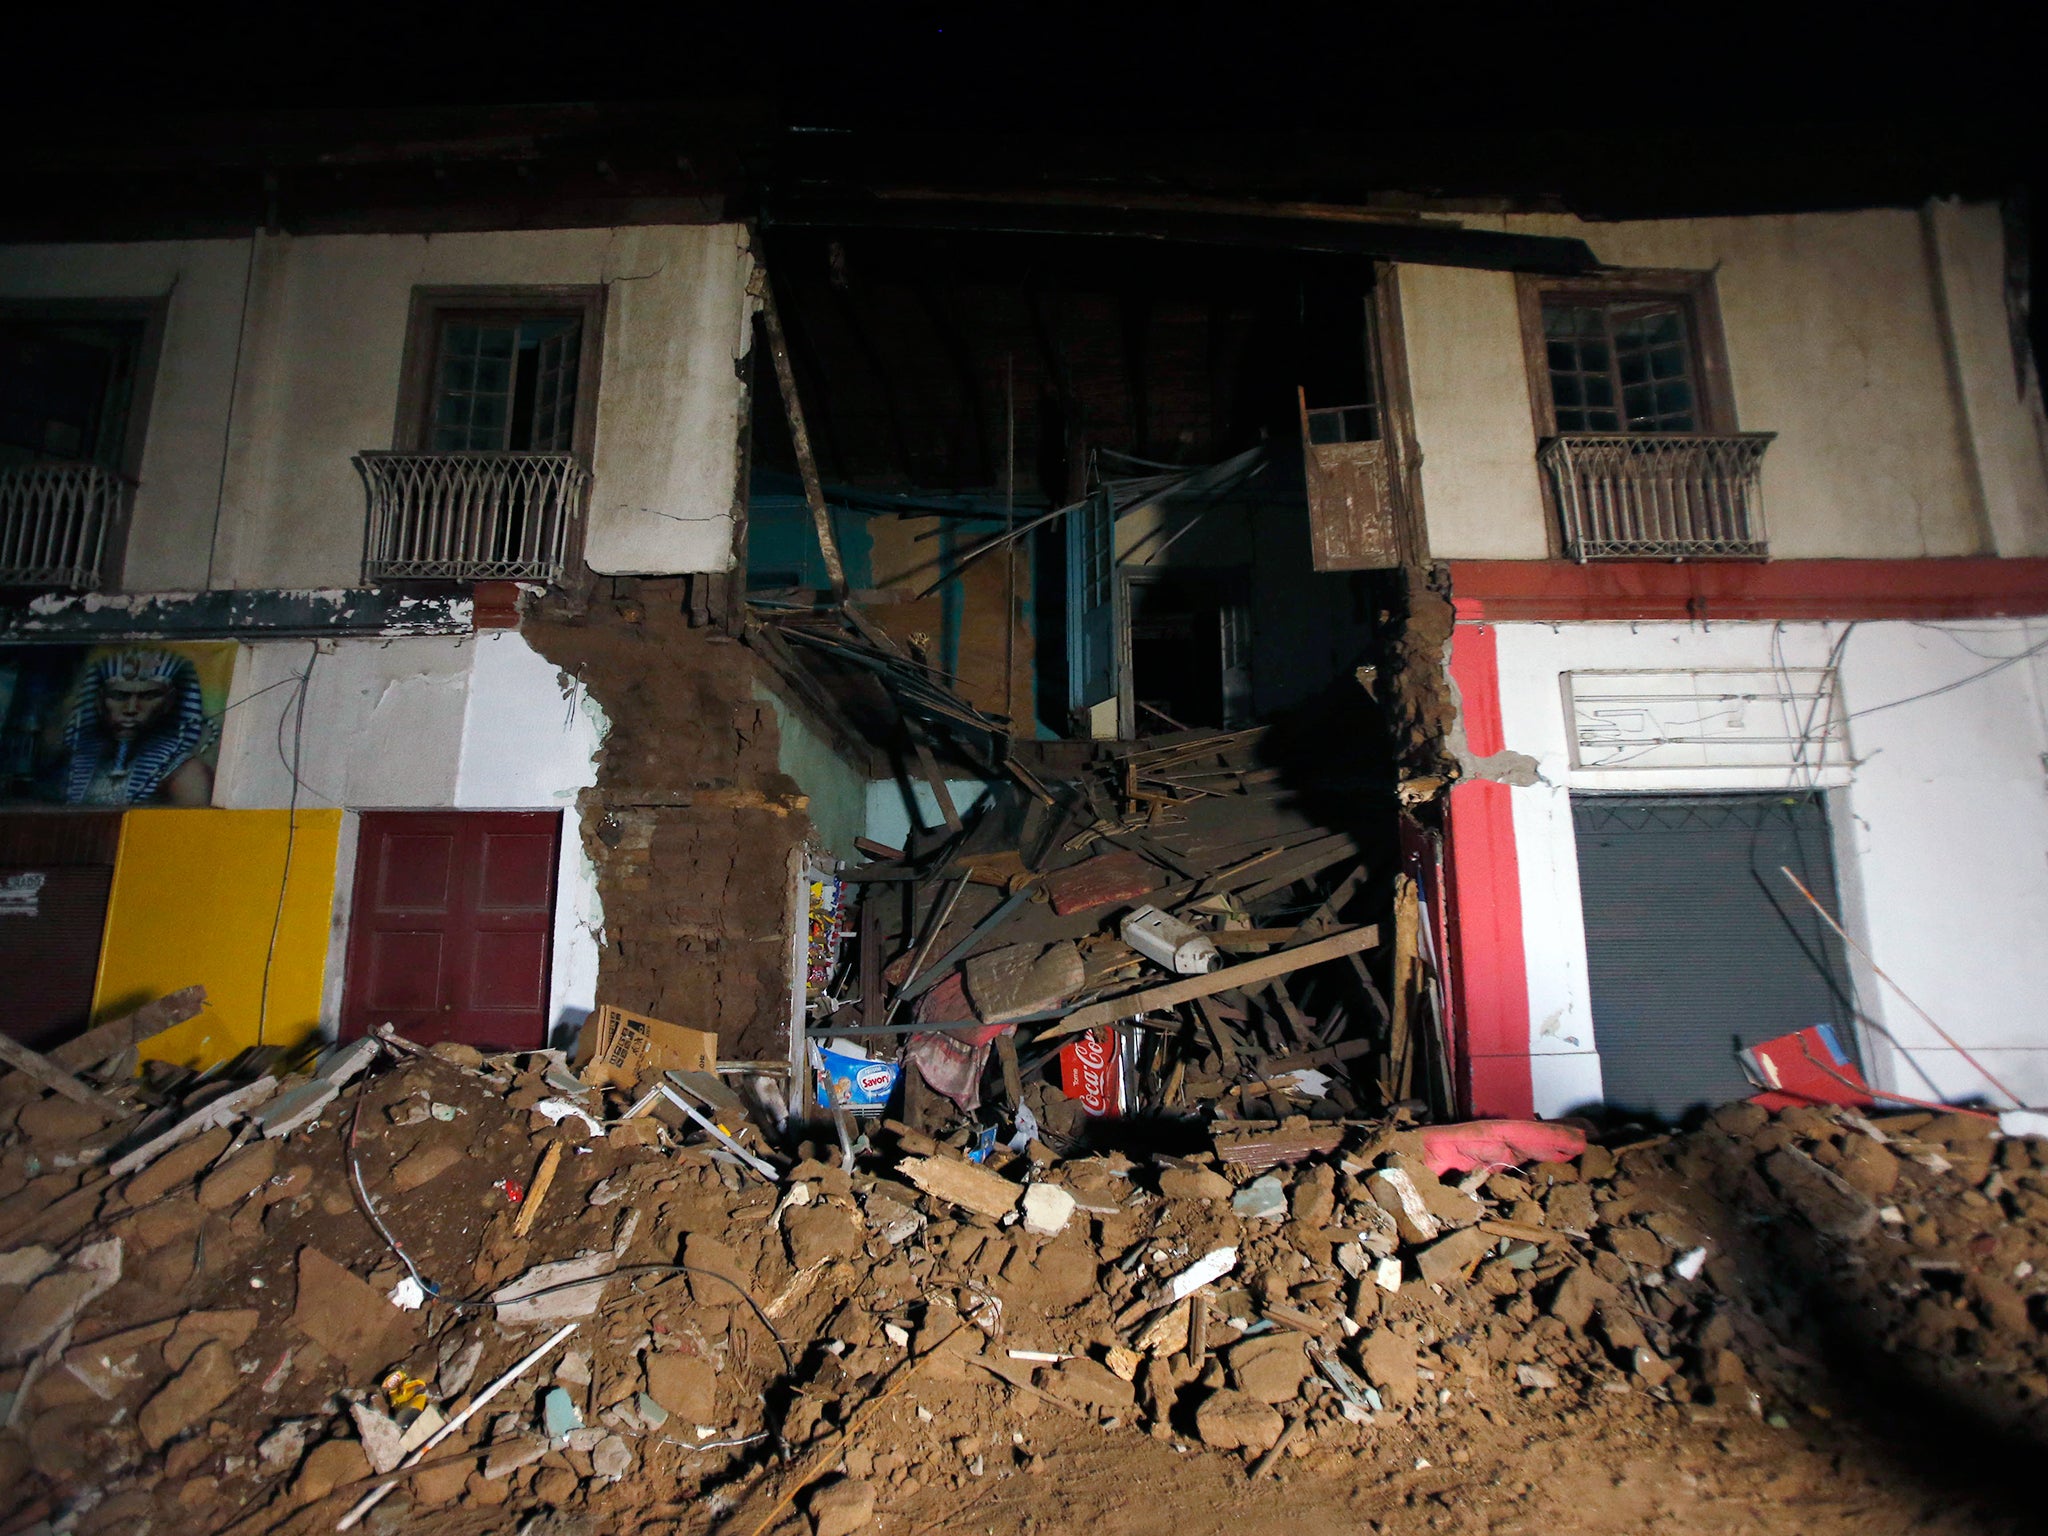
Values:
[(1395, 240)]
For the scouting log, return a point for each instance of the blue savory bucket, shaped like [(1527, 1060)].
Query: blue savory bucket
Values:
[(858, 1085)]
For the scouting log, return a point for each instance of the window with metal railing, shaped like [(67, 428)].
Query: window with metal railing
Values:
[(496, 427), (1635, 420), (73, 398), (472, 516)]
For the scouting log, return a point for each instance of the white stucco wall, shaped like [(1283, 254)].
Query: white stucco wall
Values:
[(1940, 828), (1874, 344), (321, 340), (477, 723)]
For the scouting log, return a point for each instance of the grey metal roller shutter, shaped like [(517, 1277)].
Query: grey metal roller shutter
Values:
[(1696, 945)]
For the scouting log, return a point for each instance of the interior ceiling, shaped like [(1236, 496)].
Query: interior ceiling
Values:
[(908, 349)]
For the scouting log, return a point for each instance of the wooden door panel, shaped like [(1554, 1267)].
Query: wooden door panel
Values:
[(452, 930), (405, 971), (516, 873), (509, 970), (416, 872)]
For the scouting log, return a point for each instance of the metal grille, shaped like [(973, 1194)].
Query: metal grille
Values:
[(471, 516), (1659, 496), (1696, 946), (53, 524)]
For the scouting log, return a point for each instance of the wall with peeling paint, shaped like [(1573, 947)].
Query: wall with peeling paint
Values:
[(305, 336), (478, 723), (1938, 829), (1875, 344)]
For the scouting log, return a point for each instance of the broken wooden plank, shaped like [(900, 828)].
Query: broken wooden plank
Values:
[(117, 1035), (1313, 859), (36, 1065), (1231, 977), (543, 1181), (800, 438)]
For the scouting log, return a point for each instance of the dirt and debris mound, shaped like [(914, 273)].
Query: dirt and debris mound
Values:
[(221, 1338)]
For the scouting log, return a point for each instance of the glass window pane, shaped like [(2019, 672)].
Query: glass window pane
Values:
[(1565, 390), (1634, 368), (1562, 355), (1674, 398), (1602, 421), (1667, 363), (1599, 390)]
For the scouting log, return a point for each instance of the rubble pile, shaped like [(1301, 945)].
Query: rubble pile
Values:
[(482, 1283), (1907, 1252)]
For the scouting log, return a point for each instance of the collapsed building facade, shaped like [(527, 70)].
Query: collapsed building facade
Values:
[(507, 624)]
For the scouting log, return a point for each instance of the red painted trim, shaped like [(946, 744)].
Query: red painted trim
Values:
[(494, 605), (1811, 590), (1489, 969)]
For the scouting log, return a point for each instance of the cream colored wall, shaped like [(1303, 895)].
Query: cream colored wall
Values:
[(1899, 430), (321, 345), (172, 517)]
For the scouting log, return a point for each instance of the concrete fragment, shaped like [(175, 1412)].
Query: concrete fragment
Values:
[(348, 1317), (1264, 1199), (573, 1301), (1829, 1204), (440, 1485), (1093, 1385), (1388, 1361), (685, 1385), (424, 1164), (331, 1463), (239, 1177), (295, 1107), (1448, 1259), (820, 1231), (55, 1301), (509, 1456), (382, 1438), (1231, 1421), (58, 1120), (1576, 1295), (232, 1327), (1195, 1184), (1047, 1210), (612, 1459), (1271, 1367), (183, 1403), (962, 1184), (841, 1508), (178, 1166), (24, 1266), (1394, 1191)]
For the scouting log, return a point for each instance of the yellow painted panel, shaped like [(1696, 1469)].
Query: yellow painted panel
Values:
[(195, 899)]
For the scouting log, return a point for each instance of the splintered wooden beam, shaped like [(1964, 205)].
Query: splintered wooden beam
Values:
[(45, 1071), (800, 439), (117, 1035), (1250, 974)]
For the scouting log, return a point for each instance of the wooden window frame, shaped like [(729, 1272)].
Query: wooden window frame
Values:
[(422, 331), (153, 311), (1693, 291)]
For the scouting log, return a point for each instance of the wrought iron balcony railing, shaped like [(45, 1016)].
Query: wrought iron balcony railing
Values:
[(55, 520), (471, 516), (1659, 495)]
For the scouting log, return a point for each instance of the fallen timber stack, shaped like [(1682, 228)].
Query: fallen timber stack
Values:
[(1172, 915)]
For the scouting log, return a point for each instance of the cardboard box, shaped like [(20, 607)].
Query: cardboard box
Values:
[(624, 1049)]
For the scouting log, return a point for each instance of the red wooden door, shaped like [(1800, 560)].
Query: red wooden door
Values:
[(452, 926)]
